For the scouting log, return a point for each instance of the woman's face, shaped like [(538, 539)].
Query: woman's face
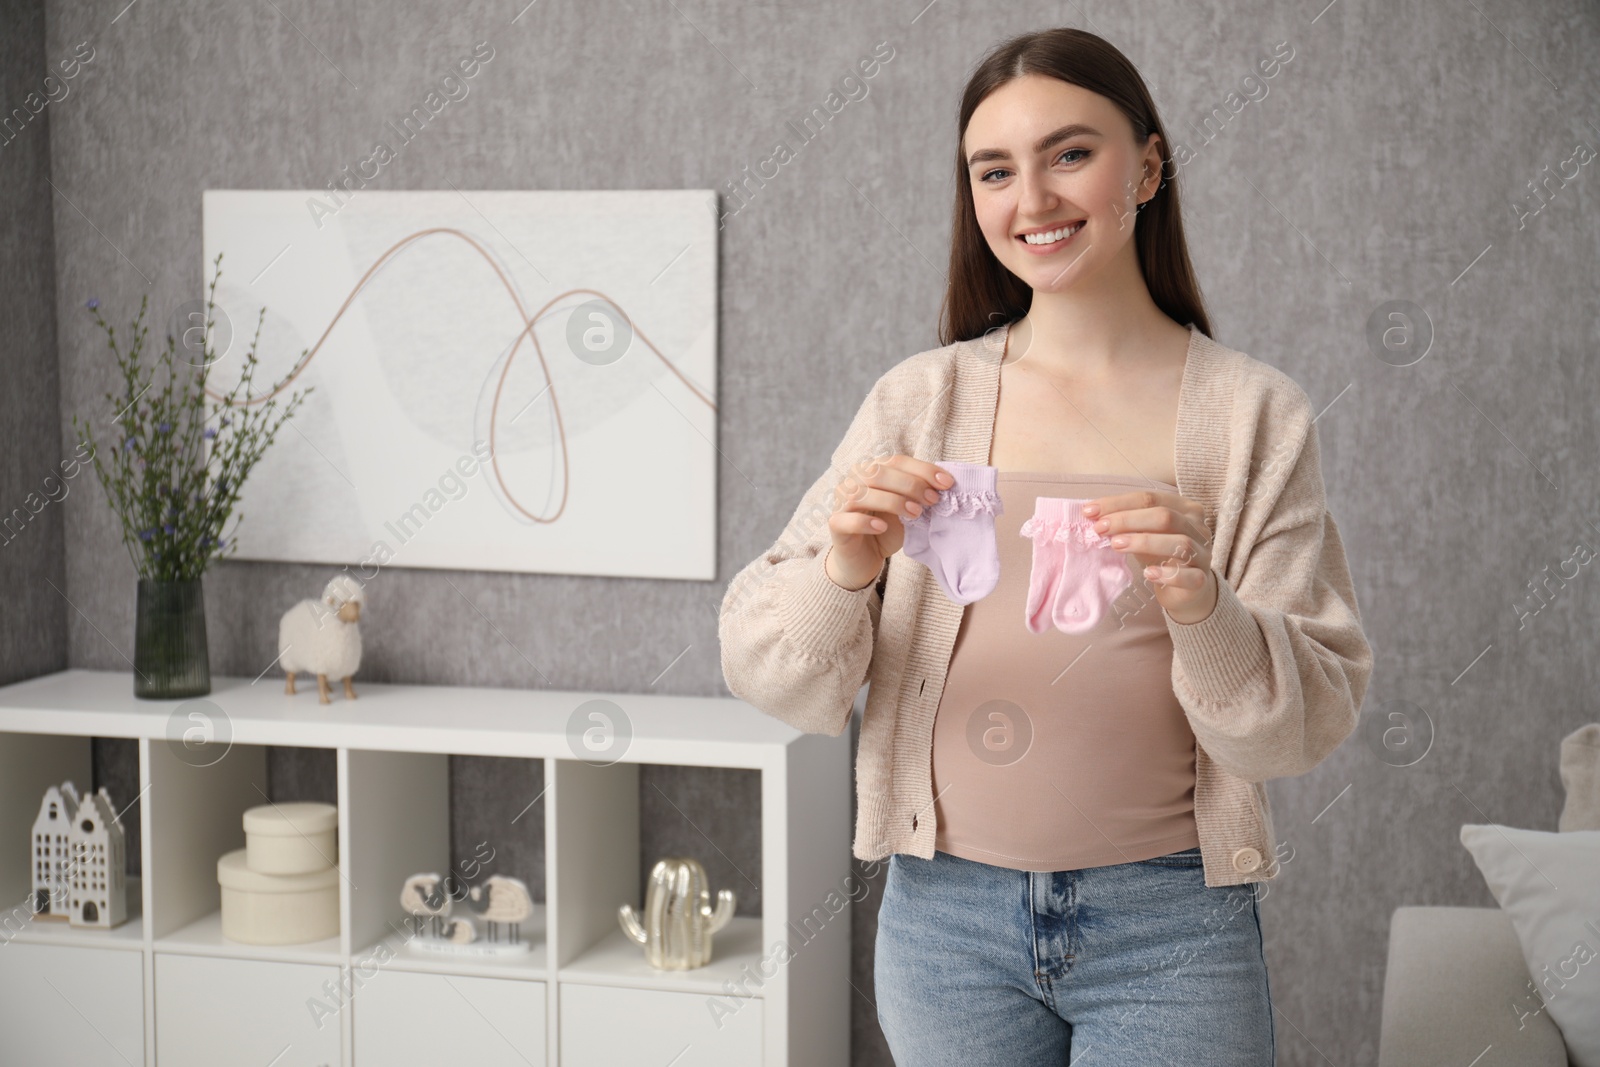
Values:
[(1043, 154)]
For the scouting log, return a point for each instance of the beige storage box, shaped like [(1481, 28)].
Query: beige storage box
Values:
[(297, 838), (276, 909)]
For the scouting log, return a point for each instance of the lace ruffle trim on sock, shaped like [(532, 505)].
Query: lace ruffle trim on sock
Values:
[(1079, 532), (964, 503)]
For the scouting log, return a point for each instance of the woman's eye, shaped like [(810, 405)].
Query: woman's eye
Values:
[(1082, 153)]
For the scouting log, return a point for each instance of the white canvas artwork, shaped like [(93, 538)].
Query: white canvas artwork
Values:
[(511, 381)]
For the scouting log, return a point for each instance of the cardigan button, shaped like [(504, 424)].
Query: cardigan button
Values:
[(1246, 860)]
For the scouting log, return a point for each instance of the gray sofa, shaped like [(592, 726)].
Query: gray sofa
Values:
[(1457, 992)]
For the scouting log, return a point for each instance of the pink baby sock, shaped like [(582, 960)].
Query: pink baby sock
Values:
[(1045, 574), (1076, 573), (955, 537)]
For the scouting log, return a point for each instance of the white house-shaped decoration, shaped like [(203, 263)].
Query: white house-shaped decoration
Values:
[(98, 864), (52, 850)]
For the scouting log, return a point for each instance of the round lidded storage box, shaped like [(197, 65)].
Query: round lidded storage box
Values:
[(297, 838), (276, 909)]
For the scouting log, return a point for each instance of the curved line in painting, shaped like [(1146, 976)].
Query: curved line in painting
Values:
[(527, 333)]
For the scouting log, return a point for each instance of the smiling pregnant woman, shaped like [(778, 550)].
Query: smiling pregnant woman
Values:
[(1082, 552)]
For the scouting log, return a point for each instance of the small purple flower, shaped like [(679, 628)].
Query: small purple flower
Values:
[(165, 427), (129, 443), (225, 420), (93, 303), (145, 535), (168, 528), (222, 542), (211, 432)]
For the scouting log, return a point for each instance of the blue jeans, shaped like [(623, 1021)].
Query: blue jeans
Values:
[(1134, 963)]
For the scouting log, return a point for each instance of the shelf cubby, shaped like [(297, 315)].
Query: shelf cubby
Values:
[(398, 823), (196, 799), (30, 764), (601, 871)]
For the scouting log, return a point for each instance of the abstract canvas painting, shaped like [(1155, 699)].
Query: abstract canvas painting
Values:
[(509, 381)]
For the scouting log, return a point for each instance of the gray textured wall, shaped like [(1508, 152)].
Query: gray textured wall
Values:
[(1390, 160), (33, 628)]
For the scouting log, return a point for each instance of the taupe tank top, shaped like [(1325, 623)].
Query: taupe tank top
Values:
[(1057, 751)]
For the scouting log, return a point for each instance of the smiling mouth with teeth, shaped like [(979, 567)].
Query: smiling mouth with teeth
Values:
[(1052, 236)]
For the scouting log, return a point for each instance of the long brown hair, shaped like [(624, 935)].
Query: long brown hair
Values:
[(981, 293)]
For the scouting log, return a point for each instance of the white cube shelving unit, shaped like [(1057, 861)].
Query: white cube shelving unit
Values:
[(167, 989)]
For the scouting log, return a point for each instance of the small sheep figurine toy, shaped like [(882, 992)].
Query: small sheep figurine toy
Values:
[(323, 638), (501, 901)]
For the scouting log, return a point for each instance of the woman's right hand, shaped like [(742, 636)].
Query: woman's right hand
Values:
[(865, 524)]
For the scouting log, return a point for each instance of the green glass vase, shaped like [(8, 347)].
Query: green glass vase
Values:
[(169, 643)]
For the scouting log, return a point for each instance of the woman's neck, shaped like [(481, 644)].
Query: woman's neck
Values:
[(1069, 340)]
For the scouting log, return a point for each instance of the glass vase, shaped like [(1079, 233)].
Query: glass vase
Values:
[(169, 644)]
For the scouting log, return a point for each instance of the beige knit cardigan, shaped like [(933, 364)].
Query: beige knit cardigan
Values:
[(1271, 681)]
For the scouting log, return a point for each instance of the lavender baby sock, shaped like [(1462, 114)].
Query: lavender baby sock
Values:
[(955, 537)]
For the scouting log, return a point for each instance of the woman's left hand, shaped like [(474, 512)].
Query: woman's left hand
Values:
[(1167, 534)]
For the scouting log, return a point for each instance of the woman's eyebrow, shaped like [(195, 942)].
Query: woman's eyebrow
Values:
[(1071, 129)]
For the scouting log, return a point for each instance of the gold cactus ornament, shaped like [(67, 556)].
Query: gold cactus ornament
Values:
[(678, 917)]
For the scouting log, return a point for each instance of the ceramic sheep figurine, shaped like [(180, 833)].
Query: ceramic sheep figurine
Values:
[(323, 637), (427, 898), (502, 900)]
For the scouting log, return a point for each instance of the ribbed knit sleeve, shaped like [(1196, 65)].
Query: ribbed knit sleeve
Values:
[(1273, 679), (795, 644)]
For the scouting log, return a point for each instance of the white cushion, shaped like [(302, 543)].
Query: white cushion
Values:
[(1549, 884)]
